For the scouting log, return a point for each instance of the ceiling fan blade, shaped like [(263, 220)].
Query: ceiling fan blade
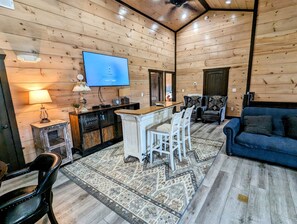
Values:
[(188, 6), (171, 11)]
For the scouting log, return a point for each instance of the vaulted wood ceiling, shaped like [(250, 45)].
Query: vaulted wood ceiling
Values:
[(175, 17)]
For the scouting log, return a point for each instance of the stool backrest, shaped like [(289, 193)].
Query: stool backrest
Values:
[(187, 116), (176, 120)]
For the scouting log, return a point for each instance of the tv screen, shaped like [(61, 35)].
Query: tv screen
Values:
[(105, 70)]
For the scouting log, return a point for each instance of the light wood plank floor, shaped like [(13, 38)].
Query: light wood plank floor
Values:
[(235, 190)]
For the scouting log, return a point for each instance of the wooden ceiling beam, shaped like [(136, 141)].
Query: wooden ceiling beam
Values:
[(141, 13), (191, 21), (231, 10), (205, 4)]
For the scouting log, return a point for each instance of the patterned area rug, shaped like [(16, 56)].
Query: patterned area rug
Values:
[(144, 193)]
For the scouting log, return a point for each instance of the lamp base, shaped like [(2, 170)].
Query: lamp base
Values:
[(83, 109), (44, 120)]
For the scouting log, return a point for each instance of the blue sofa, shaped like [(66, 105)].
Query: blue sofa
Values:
[(276, 148)]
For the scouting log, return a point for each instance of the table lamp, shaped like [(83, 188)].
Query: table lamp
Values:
[(40, 96), (81, 87)]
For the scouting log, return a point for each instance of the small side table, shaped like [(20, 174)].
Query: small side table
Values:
[(53, 137)]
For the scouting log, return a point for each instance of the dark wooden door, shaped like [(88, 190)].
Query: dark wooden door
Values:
[(162, 86), (156, 87), (10, 146), (215, 81)]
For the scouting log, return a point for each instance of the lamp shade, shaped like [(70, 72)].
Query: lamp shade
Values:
[(39, 96), (81, 87)]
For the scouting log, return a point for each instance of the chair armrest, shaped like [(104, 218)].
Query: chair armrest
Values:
[(11, 199), (182, 108), (232, 128), (203, 108), (223, 113), (16, 173)]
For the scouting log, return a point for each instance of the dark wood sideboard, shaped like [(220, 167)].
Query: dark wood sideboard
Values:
[(97, 129)]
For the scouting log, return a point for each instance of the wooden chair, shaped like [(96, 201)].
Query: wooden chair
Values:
[(186, 127), (160, 135), (29, 204)]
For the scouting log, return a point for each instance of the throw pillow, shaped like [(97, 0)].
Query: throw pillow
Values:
[(258, 124), (290, 124)]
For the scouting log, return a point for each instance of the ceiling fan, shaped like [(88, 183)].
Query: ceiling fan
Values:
[(180, 3)]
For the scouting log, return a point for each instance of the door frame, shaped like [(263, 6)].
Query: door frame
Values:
[(163, 73), (17, 147), (222, 69)]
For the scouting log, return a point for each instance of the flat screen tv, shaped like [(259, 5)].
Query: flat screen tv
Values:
[(105, 70)]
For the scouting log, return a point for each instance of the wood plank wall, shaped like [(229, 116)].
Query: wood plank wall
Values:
[(274, 72), (58, 31), (223, 40)]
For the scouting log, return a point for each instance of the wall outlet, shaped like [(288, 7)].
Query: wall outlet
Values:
[(142, 94), (234, 90), (232, 108), (183, 90)]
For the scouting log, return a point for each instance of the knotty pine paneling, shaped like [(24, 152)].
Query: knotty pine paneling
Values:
[(274, 72), (58, 31), (221, 41)]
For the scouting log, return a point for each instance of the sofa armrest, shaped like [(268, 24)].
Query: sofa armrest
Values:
[(233, 127), (222, 113), (231, 130)]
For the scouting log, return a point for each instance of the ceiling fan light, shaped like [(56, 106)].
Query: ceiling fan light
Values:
[(228, 2)]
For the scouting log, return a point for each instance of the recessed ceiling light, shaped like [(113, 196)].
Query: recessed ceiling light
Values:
[(184, 16), (122, 11), (154, 27), (206, 17), (195, 25), (161, 18), (228, 2)]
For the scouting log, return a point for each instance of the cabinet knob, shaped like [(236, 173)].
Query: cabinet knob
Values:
[(5, 126)]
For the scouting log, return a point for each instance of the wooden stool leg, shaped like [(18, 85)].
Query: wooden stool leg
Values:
[(184, 141), (171, 156), (178, 146), (151, 146), (189, 138)]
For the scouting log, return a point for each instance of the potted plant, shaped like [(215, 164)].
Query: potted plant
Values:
[(76, 107)]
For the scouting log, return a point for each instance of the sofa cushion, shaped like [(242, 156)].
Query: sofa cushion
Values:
[(276, 113), (193, 100), (290, 123), (258, 124), (273, 143), (216, 102), (211, 112)]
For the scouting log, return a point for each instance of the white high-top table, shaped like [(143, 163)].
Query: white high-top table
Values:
[(135, 124)]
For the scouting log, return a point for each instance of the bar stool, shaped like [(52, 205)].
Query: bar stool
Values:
[(186, 127), (170, 132)]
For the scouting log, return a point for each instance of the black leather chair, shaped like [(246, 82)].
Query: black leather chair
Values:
[(31, 203), (215, 109), (198, 101)]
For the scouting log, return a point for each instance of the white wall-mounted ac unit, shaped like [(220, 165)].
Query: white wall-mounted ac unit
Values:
[(7, 4)]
